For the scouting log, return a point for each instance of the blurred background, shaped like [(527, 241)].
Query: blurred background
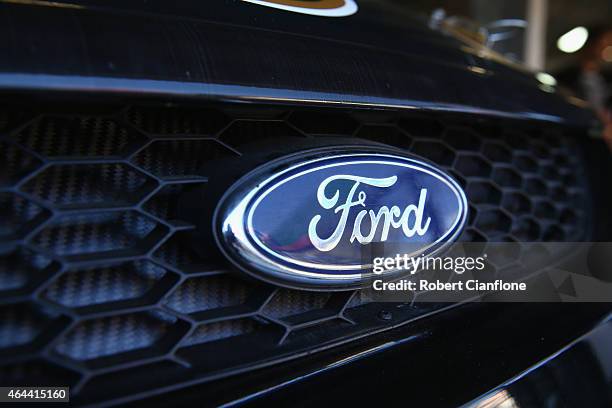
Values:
[(568, 39)]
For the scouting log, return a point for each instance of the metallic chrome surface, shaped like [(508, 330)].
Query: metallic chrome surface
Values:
[(238, 239)]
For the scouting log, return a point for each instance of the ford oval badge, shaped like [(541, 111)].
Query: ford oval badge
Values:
[(307, 220)]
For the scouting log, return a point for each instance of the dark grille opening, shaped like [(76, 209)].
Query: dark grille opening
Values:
[(175, 159), (210, 295), (20, 325), (207, 333), (109, 285), (75, 136), (96, 235), (87, 185), (173, 121), (18, 216), (16, 164), (99, 338), (100, 286)]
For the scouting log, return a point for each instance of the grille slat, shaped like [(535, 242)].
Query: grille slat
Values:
[(94, 235)]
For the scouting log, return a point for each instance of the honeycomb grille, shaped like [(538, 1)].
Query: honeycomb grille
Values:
[(98, 285)]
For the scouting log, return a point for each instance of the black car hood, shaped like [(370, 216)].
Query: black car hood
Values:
[(234, 50)]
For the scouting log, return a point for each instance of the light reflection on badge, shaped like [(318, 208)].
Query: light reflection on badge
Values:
[(325, 8), (310, 220)]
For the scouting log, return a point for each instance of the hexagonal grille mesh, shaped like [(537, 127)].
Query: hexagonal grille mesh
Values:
[(97, 279)]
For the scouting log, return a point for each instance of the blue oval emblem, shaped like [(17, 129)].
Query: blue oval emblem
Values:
[(309, 220)]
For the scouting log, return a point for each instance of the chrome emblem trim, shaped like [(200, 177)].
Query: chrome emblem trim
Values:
[(279, 240)]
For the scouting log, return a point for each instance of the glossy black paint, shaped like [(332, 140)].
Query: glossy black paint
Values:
[(446, 360), (579, 375), (232, 50), (379, 58)]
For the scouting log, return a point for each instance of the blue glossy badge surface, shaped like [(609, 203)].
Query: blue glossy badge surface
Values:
[(310, 220)]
